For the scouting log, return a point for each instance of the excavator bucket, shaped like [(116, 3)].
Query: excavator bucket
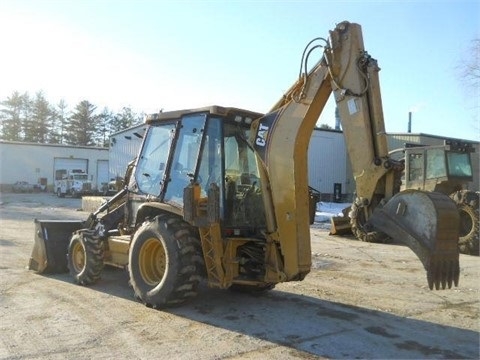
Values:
[(49, 254), (428, 223)]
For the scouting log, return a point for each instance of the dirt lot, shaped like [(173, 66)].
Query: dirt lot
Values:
[(360, 301)]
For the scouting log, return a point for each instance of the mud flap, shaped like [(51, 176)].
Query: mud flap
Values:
[(49, 254), (428, 223)]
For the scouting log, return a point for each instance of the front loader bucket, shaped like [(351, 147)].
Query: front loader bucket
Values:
[(428, 223), (340, 225), (50, 249)]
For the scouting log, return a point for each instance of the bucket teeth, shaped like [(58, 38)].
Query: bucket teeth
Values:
[(443, 273)]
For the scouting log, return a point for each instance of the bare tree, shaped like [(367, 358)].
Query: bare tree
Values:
[(470, 67), (469, 71)]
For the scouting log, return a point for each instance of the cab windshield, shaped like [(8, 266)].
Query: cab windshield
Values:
[(459, 164), (150, 171), (80, 177)]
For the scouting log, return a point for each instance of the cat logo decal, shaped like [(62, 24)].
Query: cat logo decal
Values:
[(262, 135)]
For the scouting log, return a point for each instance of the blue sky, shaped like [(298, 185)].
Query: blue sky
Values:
[(150, 55)]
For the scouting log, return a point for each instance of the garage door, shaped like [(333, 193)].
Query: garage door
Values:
[(69, 164), (102, 173)]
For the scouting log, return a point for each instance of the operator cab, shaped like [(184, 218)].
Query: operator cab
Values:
[(202, 146), (438, 168)]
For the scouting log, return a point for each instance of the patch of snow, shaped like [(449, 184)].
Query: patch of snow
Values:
[(325, 210)]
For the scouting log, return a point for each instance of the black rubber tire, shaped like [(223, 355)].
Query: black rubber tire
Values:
[(468, 241), (467, 205), (165, 262), (359, 228), (85, 257), (59, 193)]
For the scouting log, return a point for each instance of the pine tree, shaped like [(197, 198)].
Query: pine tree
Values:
[(81, 125), (103, 127), (11, 117), (28, 125), (42, 115), (59, 121), (125, 119), (24, 119)]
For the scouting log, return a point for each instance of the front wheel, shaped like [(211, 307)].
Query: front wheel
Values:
[(165, 262), (85, 257)]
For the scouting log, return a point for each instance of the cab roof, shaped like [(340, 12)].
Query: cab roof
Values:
[(226, 112)]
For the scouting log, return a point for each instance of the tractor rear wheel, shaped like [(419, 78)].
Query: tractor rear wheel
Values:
[(360, 229), (85, 257), (467, 205), (165, 262)]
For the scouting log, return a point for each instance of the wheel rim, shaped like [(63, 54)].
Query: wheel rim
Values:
[(152, 261), (78, 257)]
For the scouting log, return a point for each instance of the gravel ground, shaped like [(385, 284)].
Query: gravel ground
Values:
[(361, 300)]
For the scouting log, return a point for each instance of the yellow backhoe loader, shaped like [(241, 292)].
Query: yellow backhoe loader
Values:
[(222, 193)]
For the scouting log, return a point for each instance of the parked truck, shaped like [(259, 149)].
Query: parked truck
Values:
[(73, 183)]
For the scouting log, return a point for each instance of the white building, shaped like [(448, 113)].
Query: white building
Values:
[(37, 163), (328, 163), (328, 167), (124, 146)]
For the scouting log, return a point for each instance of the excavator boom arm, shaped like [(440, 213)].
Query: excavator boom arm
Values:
[(281, 140)]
